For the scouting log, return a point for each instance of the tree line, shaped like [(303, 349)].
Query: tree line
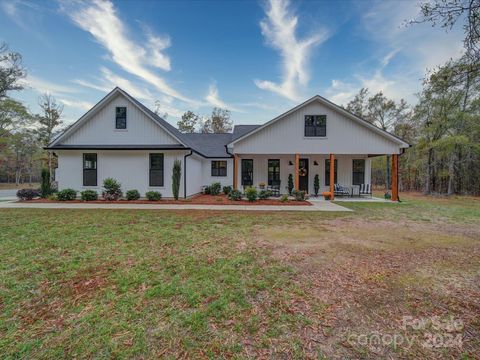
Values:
[(23, 134)]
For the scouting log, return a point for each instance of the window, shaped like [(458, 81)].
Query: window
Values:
[(89, 169), (358, 176), (327, 172), (219, 168), (121, 117), (156, 169), (273, 172), (247, 172), (316, 125)]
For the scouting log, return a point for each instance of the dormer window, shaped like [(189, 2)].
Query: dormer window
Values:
[(316, 125), (120, 117)]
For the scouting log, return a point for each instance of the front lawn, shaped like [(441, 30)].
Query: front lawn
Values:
[(150, 284)]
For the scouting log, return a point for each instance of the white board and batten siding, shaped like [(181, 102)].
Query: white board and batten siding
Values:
[(344, 136), (130, 168), (100, 128), (207, 177)]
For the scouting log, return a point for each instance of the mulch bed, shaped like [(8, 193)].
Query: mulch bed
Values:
[(200, 199)]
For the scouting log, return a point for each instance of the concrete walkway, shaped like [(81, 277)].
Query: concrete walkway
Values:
[(317, 206)]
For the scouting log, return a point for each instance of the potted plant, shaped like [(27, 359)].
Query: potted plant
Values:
[(326, 195), (262, 185)]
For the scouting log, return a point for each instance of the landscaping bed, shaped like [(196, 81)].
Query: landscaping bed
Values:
[(200, 199)]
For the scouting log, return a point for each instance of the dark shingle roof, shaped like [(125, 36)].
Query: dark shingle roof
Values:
[(209, 145), (240, 130)]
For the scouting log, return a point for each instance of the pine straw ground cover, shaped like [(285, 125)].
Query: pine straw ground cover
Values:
[(150, 284)]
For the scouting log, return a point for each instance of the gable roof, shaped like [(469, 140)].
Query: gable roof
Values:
[(150, 114), (333, 106)]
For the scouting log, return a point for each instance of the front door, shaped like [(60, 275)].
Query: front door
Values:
[(303, 174)]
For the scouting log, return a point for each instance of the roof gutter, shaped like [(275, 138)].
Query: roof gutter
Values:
[(185, 173)]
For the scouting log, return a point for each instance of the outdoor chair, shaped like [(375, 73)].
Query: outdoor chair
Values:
[(274, 188), (339, 190), (365, 190)]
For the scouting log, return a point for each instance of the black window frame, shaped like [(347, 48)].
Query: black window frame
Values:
[(156, 176), (89, 170), (273, 176), (356, 173), (327, 171), (217, 170), (315, 126), (123, 118), (247, 173)]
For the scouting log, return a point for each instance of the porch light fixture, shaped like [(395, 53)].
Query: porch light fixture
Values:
[(315, 162), (290, 163)]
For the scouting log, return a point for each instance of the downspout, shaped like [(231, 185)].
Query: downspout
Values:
[(185, 173)]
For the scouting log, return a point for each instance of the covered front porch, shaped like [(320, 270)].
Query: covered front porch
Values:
[(351, 171)]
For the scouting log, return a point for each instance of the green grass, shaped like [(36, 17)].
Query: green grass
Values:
[(150, 284), (133, 283)]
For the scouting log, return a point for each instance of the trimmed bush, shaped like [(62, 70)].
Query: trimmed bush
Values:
[(235, 195), (316, 184), (206, 191), (88, 195), (27, 194), (215, 188), (284, 198), (251, 193), (46, 186), (153, 195), (67, 195), (299, 195), (264, 194), (132, 194), (290, 184), (112, 189), (227, 190), (176, 176)]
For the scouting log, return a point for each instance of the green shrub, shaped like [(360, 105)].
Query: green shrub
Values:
[(387, 196), (227, 190), (132, 194), (27, 194), (153, 195), (235, 195), (112, 189), (176, 176), (299, 195), (67, 195), (290, 184), (52, 197), (206, 191), (316, 184), (251, 193), (284, 198), (46, 186), (215, 188), (264, 194), (88, 195)]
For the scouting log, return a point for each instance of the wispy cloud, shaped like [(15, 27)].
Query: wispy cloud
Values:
[(27, 16), (44, 86), (214, 99), (82, 105), (279, 30), (417, 48), (101, 20)]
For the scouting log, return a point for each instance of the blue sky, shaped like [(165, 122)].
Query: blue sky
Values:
[(256, 58)]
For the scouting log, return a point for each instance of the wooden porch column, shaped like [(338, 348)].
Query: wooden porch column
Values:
[(235, 172), (297, 173), (394, 177), (332, 176)]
